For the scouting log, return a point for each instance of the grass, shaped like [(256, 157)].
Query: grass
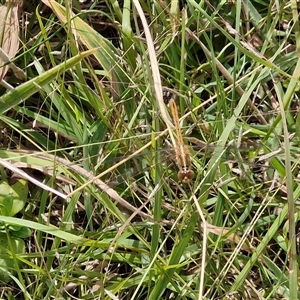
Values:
[(117, 224)]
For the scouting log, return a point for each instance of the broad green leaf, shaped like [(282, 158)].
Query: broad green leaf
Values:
[(13, 197), (20, 232)]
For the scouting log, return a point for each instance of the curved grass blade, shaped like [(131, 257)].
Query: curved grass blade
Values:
[(25, 90), (107, 55)]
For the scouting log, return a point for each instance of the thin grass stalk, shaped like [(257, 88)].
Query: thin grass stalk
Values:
[(293, 263)]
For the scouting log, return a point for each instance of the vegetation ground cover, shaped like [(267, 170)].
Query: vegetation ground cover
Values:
[(91, 206)]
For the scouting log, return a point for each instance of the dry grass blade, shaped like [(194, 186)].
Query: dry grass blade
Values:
[(24, 175), (225, 233), (99, 183), (9, 32), (154, 68)]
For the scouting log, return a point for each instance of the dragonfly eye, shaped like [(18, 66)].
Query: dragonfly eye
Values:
[(167, 95)]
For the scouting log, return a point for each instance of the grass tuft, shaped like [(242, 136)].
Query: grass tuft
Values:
[(90, 202)]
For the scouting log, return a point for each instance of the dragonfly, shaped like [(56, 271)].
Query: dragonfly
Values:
[(183, 159), (234, 153), (182, 153)]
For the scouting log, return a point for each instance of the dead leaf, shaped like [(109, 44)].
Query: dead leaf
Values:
[(9, 33)]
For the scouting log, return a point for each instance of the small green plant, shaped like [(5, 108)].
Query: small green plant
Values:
[(12, 200)]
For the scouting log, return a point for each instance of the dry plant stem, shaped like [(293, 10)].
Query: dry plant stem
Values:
[(99, 183), (24, 175), (104, 187), (6, 60), (6, 85), (154, 66), (220, 231)]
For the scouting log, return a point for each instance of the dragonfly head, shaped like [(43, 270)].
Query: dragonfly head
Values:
[(186, 175)]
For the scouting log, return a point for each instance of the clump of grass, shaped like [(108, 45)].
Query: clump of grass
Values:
[(90, 105)]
